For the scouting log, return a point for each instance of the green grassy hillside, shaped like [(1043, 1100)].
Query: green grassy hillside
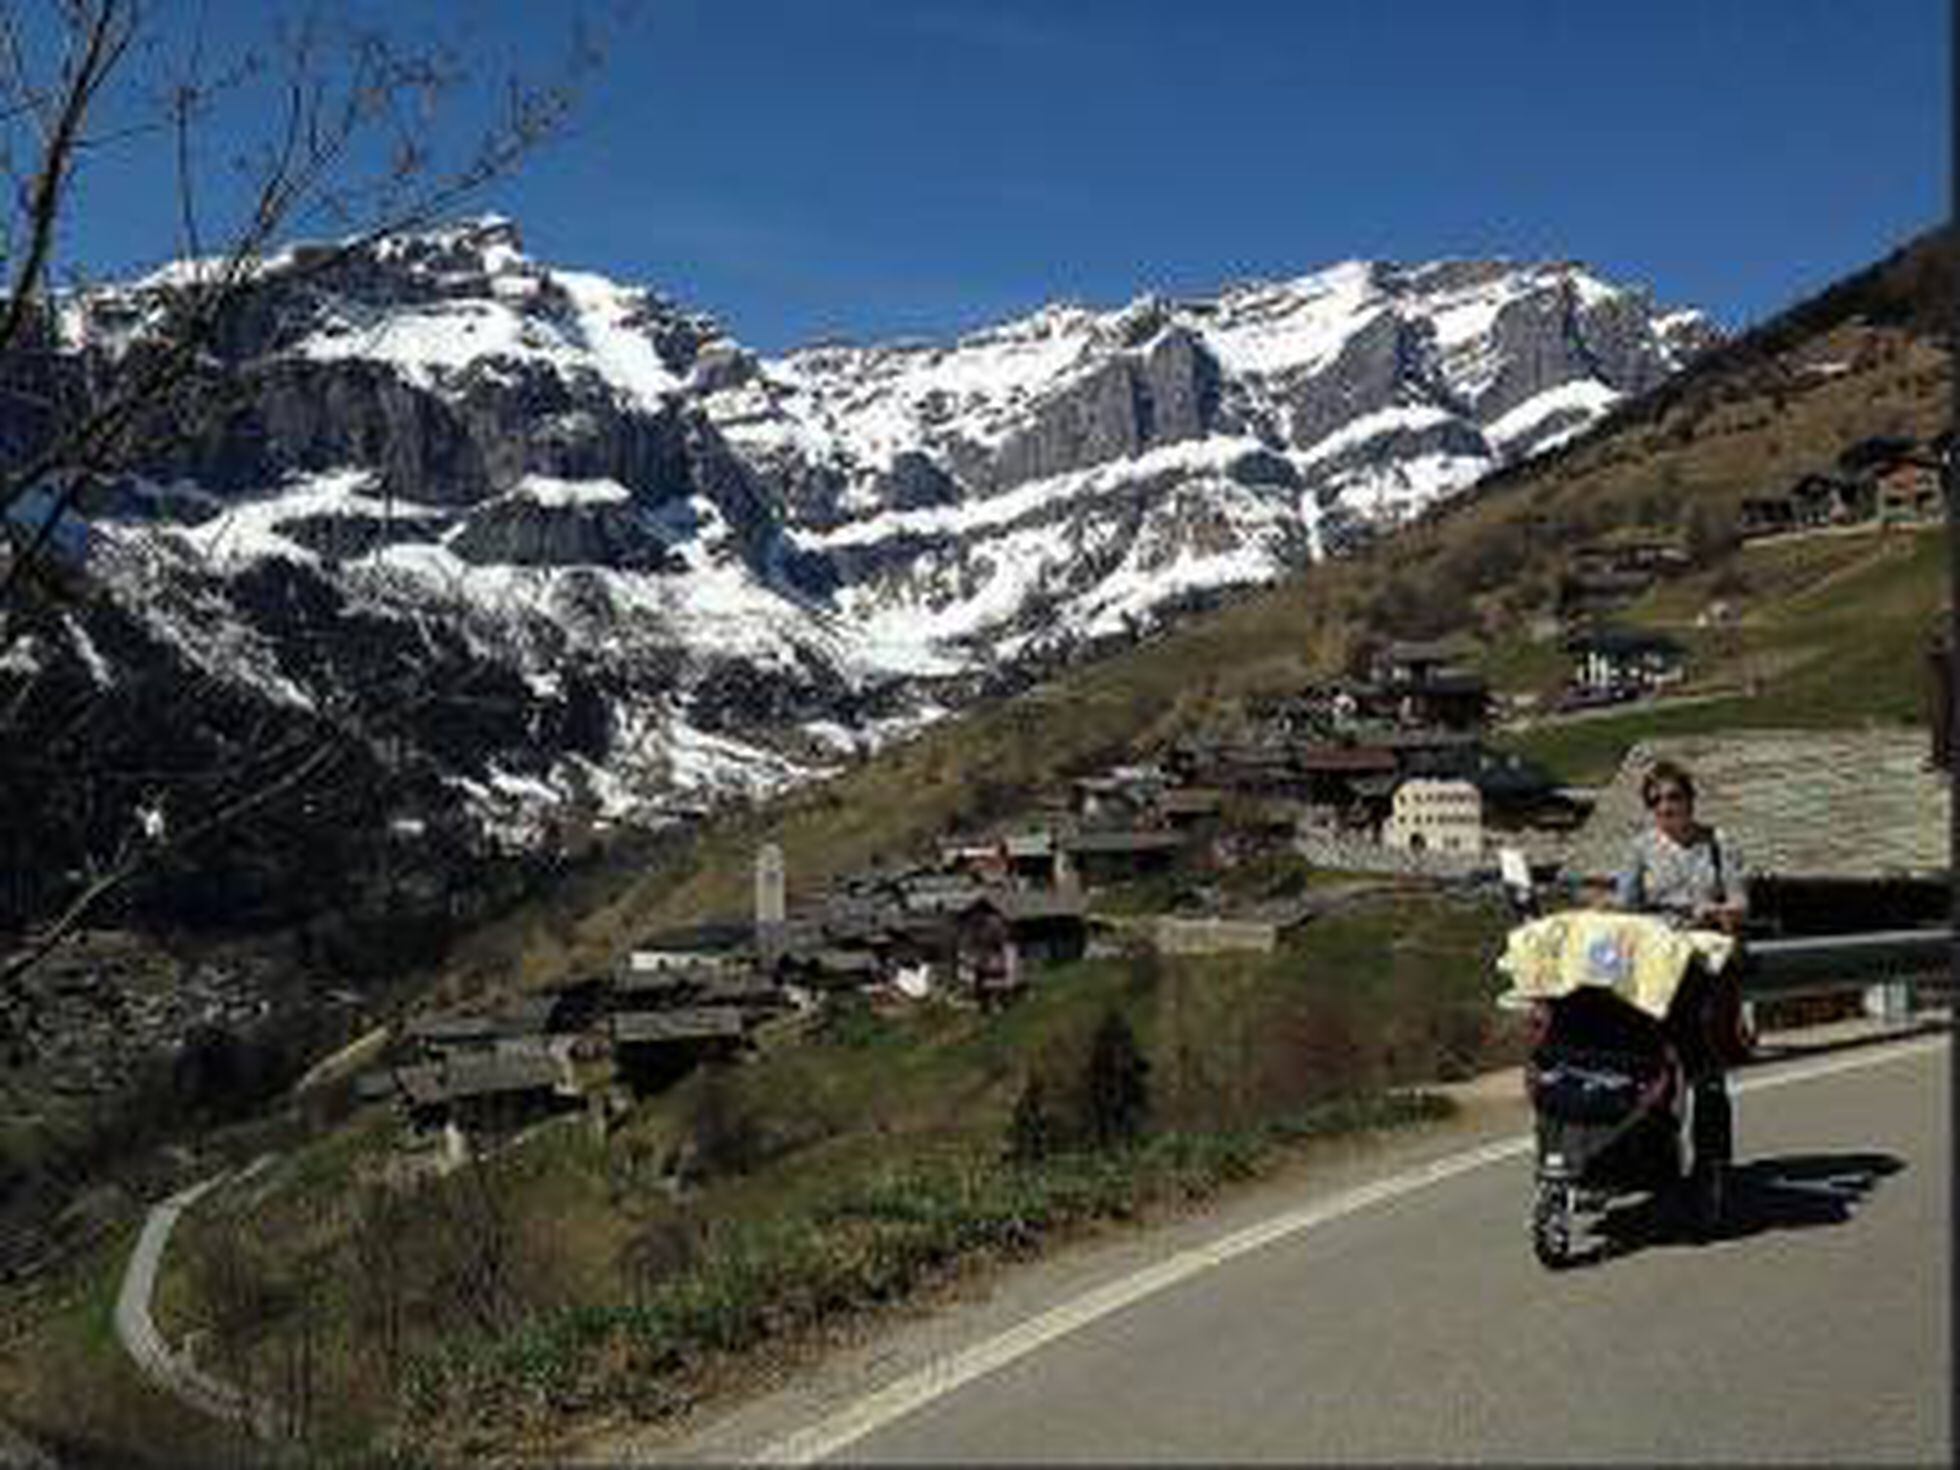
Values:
[(1832, 634)]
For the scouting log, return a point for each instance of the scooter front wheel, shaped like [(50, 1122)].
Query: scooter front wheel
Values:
[(1551, 1224)]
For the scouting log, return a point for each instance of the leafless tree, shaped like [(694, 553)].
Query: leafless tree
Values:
[(325, 127)]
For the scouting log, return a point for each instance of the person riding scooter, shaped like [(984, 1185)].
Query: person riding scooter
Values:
[(1693, 874)]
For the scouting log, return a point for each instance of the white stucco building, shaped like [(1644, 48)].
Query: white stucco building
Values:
[(1430, 815)]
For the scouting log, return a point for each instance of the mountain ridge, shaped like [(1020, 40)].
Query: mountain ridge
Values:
[(688, 572)]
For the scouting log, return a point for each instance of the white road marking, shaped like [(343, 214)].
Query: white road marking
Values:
[(945, 1375)]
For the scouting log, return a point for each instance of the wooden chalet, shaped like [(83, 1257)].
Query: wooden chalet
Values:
[(1612, 659), (1454, 699), (1115, 856), (1033, 859), (490, 1092), (1046, 928), (941, 893), (652, 1049), (1121, 795), (987, 962), (435, 1037), (727, 944), (1907, 491), (1330, 772), (1186, 809), (641, 990), (1258, 770), (1648, 556), (830, 968), (1829, 500), (1305, 714), (1814, 500), (1607, 574), (1404, 665), (981, 860)]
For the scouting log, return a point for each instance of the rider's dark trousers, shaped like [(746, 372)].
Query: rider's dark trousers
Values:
[(1690, 1025), (1713, 1124)]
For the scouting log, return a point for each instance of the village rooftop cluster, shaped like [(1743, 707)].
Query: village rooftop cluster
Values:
[(1385, 774)]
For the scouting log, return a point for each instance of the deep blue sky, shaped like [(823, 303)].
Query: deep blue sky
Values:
[(873, 168)]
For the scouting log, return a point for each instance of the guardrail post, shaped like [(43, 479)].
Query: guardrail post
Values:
[(1889, 1001)]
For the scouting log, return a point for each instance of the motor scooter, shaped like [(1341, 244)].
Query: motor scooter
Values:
[(1612, 1110)]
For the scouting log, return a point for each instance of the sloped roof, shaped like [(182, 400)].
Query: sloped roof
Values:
[(715, 937), (1019, 905), (449, 1029), (428, 1083), (1122, 842), (1192, 799), (1622, 640), (646, 984), (1797, 803), (1343, 758), (1430, 737), (945, 893), (683, 1023), (751, 991)]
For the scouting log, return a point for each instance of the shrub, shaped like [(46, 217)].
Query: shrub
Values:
[(1116, 1086), (1034, 1131), (727, 1136)]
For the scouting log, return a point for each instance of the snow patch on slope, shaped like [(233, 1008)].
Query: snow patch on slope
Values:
[(1583, 396)]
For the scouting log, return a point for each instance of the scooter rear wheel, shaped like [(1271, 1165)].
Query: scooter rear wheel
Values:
[(1551, 1224)]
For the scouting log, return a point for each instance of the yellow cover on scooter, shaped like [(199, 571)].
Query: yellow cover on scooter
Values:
[(1640, 957)]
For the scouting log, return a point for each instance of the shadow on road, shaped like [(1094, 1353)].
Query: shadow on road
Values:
[(1786, 1192)]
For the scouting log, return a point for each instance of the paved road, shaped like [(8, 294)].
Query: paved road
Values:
[(1402, 1318), (136, 1329)]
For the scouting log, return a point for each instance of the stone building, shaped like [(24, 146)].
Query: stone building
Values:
[(1435, 815)]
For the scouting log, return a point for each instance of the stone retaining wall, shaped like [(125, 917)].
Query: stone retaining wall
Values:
[(1358, 855)]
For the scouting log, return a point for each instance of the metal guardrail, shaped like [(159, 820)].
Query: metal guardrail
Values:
[(1837, 961), (1888, 965)]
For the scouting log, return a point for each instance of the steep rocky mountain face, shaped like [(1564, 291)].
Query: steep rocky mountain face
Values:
[(541, 541)]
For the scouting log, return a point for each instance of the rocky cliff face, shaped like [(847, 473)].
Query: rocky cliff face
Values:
[(623, 562)]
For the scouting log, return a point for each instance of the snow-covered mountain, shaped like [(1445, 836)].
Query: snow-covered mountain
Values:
[(685, 570), (1072, 472)]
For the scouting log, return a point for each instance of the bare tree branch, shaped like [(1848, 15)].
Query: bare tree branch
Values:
[(348, 140), (107, 29)]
